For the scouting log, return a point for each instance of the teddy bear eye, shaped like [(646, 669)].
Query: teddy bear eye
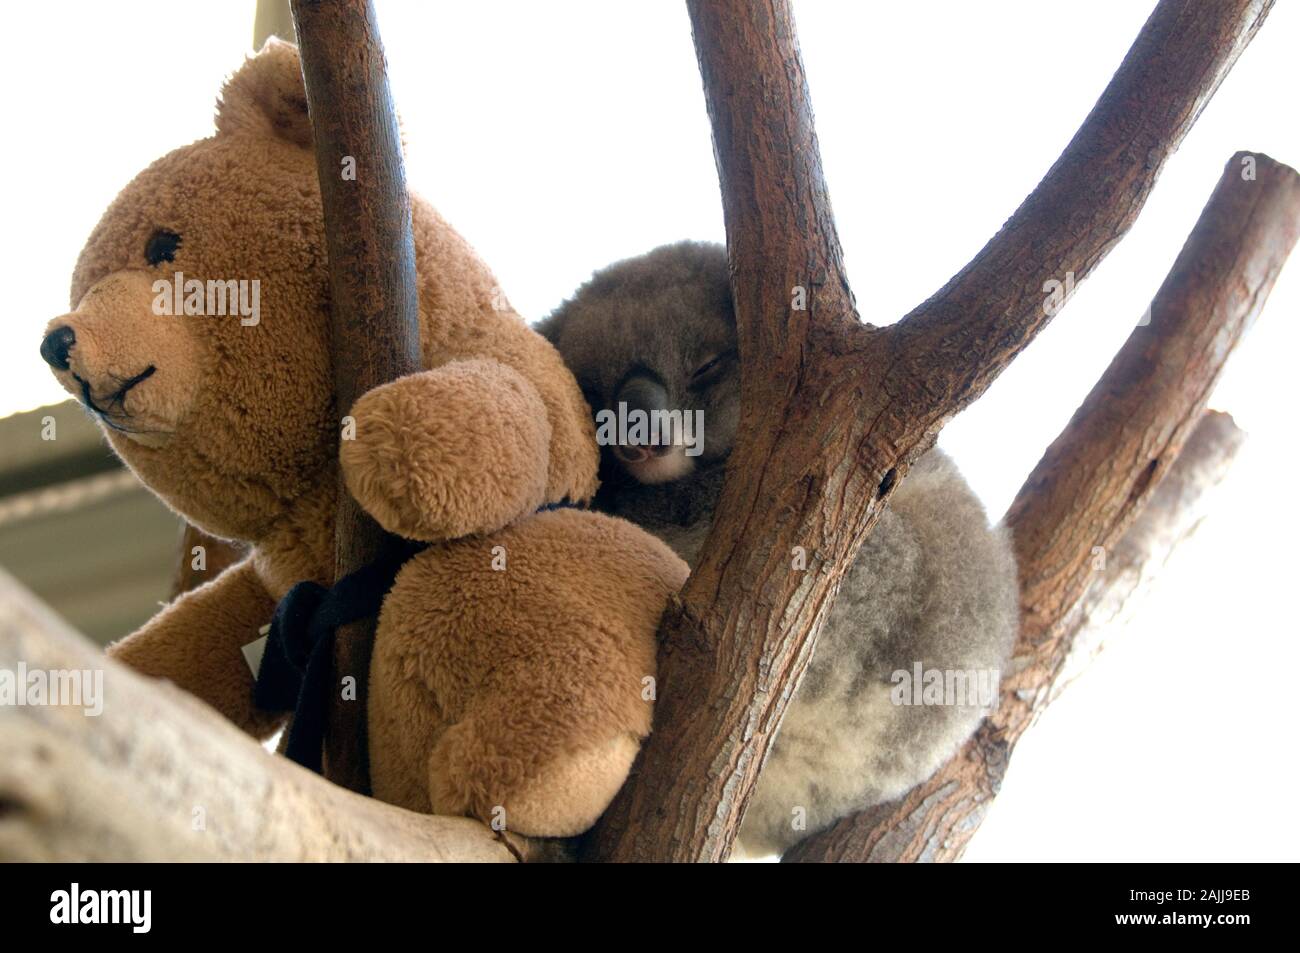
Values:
[(161, 246)]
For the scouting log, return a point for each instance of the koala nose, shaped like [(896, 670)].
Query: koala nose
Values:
[(635, 454), (642, 394), (631, 453), (56, 346), (646, 395)]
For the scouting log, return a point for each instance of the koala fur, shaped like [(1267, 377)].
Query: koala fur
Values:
[(933, 584)]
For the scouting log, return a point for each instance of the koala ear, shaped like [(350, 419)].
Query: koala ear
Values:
[(266, 97), (549, 326)]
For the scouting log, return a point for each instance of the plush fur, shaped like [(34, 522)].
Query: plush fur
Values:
[(518, 689), (933, 583)]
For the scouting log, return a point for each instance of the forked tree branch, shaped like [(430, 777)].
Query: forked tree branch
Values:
[(833, 412), (1076, 506)]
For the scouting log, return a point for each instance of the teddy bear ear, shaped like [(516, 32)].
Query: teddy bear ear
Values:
[(266, 97)]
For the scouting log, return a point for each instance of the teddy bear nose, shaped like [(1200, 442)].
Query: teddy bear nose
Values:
[(56, 345)]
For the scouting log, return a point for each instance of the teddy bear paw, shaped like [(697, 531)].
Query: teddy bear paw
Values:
[(446, 453)]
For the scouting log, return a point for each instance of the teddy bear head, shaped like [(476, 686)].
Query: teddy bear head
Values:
[(199, 329)]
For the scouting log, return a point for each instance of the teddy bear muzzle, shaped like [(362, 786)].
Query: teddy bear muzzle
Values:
[(133, 369)]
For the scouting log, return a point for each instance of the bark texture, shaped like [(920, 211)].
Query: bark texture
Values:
[(1172, 514), (833, 411), (373, 305)]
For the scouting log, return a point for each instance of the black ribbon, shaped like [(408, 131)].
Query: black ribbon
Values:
[(295, 674)]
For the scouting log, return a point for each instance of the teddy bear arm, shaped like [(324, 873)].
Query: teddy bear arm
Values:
[(196, 642), (449, 452), (573, 454)]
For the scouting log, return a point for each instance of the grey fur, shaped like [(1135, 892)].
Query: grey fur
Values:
[(933, 584)]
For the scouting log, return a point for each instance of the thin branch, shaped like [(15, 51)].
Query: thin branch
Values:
[(1090, 485), (1082, 208), (833, 412), (1134, 565), (1084, 491), (374, 319)]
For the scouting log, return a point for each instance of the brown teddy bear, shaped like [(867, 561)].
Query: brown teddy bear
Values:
[(199, 338)]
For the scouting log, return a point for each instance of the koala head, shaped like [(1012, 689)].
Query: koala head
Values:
[(198, 333), (656, 333)]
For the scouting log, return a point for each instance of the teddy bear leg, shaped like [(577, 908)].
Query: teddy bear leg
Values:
[(514, 673), (445, 453), (470, 773)]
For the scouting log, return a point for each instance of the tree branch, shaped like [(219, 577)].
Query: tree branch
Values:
[(726, 664), (374, 312), (1120, 442), (1090, 485), (833, 412), (1082, 208), (159, 776), (1172, 514)]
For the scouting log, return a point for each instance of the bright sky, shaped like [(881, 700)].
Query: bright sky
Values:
[(561, 136)]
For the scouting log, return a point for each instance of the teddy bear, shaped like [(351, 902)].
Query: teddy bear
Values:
[(513, 656)]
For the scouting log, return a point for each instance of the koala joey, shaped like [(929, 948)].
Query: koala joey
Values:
[(908, 659)]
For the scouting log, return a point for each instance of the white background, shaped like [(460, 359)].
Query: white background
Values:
[(563, 135)]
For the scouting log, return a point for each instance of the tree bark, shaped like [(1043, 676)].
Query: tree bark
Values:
[(1119, 443), (1173, 513), (374, 320), (159, 776), (1094, 479), (833, 411)]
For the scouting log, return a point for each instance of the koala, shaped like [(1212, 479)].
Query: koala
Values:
[(928, 608)]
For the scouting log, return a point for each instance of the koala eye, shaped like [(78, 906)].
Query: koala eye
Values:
[(161, 246), (708, 369)]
